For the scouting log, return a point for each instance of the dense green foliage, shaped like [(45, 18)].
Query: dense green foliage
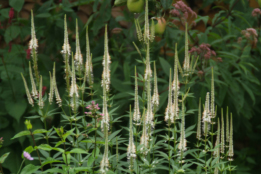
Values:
[(236, 69)]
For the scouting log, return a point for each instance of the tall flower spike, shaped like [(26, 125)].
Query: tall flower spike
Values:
[(51, 89), (212, 109), (227, 127), (74, 90), (105, 160), (217, 151), (40, 101), (78, 55), (131, 151), (33, 44), (149, 115), (106, 63), (29, 97), (152, 30), (106, 117), (146, 25), (144, 139), (148, 72), (155, 97), (138, 30), (175, 87), (136, 113), (183, 142), (34, 90), (66, 52), (222, 148), (169, 114), (206, 116), (199, 121), (57, 95), (231, 148), (186, 61), (88, 64)]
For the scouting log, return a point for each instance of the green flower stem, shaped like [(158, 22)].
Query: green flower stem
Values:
[(19, 168), (36, 150)]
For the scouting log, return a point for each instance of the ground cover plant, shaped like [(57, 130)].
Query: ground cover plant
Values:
[(152, 105)]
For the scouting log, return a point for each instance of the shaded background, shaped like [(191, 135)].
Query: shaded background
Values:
[(218, 23)]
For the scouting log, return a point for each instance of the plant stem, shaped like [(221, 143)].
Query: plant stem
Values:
[(36, 150), (19, 168)]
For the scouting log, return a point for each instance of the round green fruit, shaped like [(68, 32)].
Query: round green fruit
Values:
[(135, 6), (160, 26)]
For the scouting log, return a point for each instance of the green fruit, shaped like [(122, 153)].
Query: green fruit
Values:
[(135, 6), (160, 26)]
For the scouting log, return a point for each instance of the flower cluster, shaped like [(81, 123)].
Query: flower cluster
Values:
[(93, 108), (203, 51), (256, 12), (28, 156), (251, 35), (184, 12)]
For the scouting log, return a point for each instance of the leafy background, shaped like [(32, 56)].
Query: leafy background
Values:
[(219, 23)]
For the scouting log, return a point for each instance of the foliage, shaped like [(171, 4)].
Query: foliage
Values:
[(235, 64)]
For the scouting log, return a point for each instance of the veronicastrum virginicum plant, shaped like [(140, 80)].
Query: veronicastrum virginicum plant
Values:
[(86, 141)]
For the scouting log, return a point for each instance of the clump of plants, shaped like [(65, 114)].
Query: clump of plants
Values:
[(86, 140)]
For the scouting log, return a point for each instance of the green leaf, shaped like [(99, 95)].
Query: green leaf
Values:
[(39, 131), (165, 66), (4, 122), (68, 133), (11, 33), (45, 147), (79, 169), (50, 160), (54, 170), (78, 150), (3, 157), (30, 168), (43, 15), (120, 2), (29, 149), (15, 109), (16, 4), (90, 161), (20, 134)]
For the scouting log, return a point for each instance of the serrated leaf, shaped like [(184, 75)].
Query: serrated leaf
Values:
[(30, 168)]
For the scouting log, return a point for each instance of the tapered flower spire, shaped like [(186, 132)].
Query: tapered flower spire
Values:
[(78, 55), (40, 101), (66, 52), (199, 121), (186, 65), (227, 126), (88, 64), (212, 107), (136, 113), (33, 44), (183, 141), (34, 90), (51, 89), (206, 116), (146, 34), (56, 92), (231, 146), (175, 87), (222, 147), (74, 90), (155, 97), (106, 63), (131, 151), (148, 72), (169, 114), (144, 139), (29, 97)]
